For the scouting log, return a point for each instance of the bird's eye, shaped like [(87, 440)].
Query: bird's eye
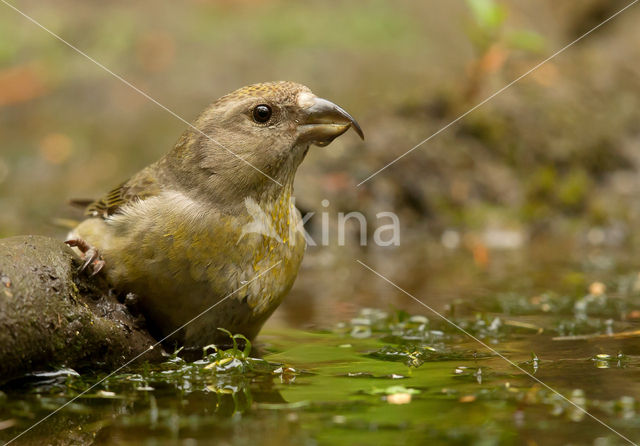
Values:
[(262, 113)]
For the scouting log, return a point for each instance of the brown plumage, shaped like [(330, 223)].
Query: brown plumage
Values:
[(212, 223)]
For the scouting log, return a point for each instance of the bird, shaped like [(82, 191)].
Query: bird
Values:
[(208, 237)]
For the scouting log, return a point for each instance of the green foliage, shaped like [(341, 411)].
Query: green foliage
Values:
[(234, 353), (573, 190), (526, 40), (489, 21), (488, 14)]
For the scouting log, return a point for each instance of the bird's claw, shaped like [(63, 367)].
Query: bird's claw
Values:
[(90, 255)]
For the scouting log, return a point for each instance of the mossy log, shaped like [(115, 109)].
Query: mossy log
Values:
[(53, 316)]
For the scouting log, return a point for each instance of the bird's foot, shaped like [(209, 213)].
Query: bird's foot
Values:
[(90, 255)]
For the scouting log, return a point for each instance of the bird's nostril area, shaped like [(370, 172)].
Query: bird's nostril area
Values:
[(306, 99)]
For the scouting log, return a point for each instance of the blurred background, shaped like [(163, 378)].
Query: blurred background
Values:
[(544, 174)]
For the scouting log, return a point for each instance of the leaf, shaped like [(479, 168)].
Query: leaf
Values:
[(487, 13), (247, 344), (526, 40)]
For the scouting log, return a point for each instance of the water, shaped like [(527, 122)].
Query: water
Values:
[(388, 376)]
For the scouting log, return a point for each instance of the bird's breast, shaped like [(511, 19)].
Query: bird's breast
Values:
[(205, 254), (180, 258)]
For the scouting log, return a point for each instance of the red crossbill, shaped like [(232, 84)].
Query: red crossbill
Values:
[(214, 217)]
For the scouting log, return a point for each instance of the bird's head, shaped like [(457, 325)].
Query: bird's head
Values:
[(257, 136)]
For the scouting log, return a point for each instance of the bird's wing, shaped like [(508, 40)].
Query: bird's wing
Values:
[(142, 185)]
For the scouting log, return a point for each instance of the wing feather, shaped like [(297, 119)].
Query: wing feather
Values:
[(142, 185)]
